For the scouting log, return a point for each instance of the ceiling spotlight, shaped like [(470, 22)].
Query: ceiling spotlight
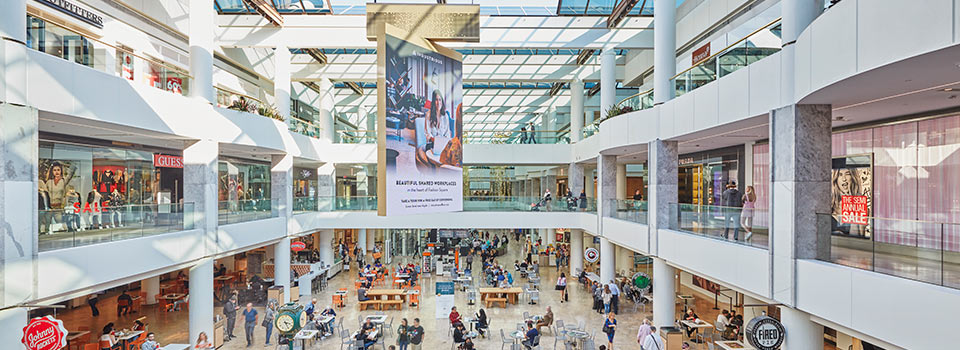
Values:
[(947, 89)]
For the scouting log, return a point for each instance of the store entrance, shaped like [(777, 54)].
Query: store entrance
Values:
[(690, 184)]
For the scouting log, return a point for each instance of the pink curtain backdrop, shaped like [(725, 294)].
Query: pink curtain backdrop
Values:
[(916, 176), (761, 184)]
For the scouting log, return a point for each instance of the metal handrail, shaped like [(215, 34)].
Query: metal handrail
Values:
[(634, 95), (725, 49)]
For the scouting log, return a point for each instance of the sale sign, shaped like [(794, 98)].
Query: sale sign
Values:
[(44, 333), (854, 210), (175, 85)]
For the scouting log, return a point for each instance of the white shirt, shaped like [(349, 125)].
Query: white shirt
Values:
[(614, 289), (562, 281), (653, 342), (722, 322)]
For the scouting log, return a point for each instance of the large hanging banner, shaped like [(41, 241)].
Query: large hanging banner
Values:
[(420, 125)]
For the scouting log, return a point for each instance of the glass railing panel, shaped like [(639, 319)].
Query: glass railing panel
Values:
[(918, 250), (470, 203), (236, 211), (590, 129), (629, 210), (85, 225), (355, 203), (356, 136), (732, 224), (303, 127)]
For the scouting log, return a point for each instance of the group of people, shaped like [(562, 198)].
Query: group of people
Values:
[(313, 322), (495, 274), (606, 297), (738, 210), (528, 134)]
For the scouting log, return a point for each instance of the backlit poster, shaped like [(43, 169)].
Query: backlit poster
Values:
[(851, 181), (420, 128)]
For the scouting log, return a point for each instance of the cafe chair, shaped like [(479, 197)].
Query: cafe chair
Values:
[(503, 340), (388, 327), (345, 339), (105, 345), (91, 346), (589, 345), (561, 337), (526, 315)]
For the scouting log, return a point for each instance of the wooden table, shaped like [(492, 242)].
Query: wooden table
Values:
[(512, 294), (172, 296), (126, 337), (387, 294), (701, 324), (73, 335), (733, 345)]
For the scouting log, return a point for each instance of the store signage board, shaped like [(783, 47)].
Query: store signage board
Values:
[(445, 299), (591, 254), (298, 246), (75, 11), (700, 54), (854, 210), (44, 333), (765, 333), (165, 161)]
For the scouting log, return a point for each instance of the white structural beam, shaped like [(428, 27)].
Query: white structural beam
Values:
[(561, 32), (361, 70)]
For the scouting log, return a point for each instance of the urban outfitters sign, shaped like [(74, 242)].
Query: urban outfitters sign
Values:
[(75, 11), (765, 333)]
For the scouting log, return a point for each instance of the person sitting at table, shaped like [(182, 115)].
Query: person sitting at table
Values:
[(530, 338), (467, 344), (546, 320), (179, 302), (327, 328), (482, 323), (151, 343), (202, 342), (722, 320), (138, 325), (362, 294), (123, 303), (107, 335), (692, 317), (366, 334), (459, 334), (310, 309), (455, 317)]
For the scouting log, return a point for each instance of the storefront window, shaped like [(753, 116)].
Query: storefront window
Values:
[(244, 190), (91, 188), (58, 42), (704, 175)]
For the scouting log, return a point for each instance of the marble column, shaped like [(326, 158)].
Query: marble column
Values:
[(371, 239), (151, 286), (281, 268), (202, 20), (362, 241), (608, 258), (802, 332), (201, 298), (576, 253), (800, 166), (589, 182), (281, 80), (662, 191), (575, 178), (18, 212), (622, 191), (326, 187), (326, 247), (576, 110), (665, 50), (281, 185), (528, 188), (549, 182), (608, 80), (200, 187), (797, 15), (607, 166), (326, 103), (664, 293)]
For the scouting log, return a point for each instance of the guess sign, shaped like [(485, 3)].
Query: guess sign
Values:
[(298, 246), (853, 210), (165, 161), (765, 333), (44, 333)]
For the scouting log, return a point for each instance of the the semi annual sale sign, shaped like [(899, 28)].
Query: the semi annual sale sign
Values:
[(44, 333), (854, 210)]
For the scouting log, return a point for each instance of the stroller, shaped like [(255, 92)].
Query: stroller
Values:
[(536, 206), (571, 203)]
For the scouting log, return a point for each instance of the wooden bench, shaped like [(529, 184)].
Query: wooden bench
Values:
[(394, 302), (365, 305), (493, 300)]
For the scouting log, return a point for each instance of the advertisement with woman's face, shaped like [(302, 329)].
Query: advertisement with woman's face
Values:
[(852, 196), (422, 145)]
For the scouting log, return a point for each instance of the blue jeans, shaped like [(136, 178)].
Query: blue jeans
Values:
[(269, 332), (248, 328), (606, 308), (731, 216), (403, 344)]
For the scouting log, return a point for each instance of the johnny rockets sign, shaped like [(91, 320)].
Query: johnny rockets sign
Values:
[(44, 333)]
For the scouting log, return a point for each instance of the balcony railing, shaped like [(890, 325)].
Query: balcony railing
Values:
[(590, 129), (473, 136), (636, 102), (236, 211), (470, 203), (759, 44), (59, 40), (925, 251), (732, 224), (79, 226), (629, 210)]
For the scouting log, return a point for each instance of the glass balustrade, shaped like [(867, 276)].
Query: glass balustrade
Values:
[(636, 102), (236, 211), (925, 251), (629, 210), (478, 136), (470, 203), (590, 129), (83, 225), (732, 224)]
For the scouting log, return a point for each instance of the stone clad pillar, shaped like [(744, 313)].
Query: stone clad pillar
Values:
[(622, 191), (800, 149), (200, 187), (575, 178), (662, 194), (608, 184), (281, 185)]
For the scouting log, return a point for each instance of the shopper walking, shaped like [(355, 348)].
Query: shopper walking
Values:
[(746, 217), (653, 341), (562, 287), (610, 328), (230, 312), (268, 315), (643, 332), (607, 297), (92, 301), (250, 323), (403, 334), (583, 200), (615, 297), (416, 335), (731, 201)]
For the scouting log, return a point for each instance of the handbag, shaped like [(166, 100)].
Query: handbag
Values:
[(558, 287)]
